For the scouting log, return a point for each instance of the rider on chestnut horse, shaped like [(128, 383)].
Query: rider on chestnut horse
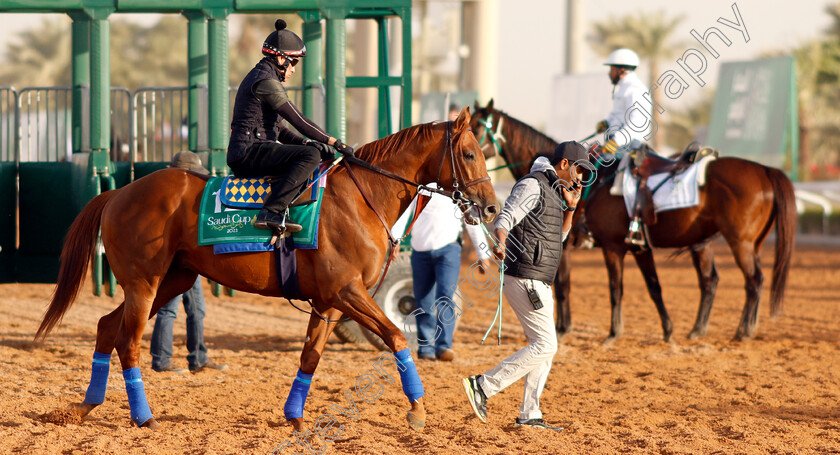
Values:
[(260, 145)]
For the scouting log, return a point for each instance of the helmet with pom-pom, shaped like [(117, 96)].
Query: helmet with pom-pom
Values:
[(283, 42)]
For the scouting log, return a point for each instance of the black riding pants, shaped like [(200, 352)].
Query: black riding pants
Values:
[(289, 166)]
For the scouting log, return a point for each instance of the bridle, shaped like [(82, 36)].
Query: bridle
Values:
[(456, 194), (495, 138), (458, 174)]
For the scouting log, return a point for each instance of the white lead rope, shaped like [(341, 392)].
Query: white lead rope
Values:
[(501, 286)]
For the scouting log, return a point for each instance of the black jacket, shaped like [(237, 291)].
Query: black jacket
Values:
[(534, 246)]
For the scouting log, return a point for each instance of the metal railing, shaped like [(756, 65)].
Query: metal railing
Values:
[(44, 124), (8, 123), (150, 124), (122, 113), (160, 123)]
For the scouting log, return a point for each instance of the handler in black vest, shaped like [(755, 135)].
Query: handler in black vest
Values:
[(261, 146), (536, 219)]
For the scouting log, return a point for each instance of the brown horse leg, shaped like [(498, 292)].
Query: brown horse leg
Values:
[(316, 339), (354, 301), (139, 298), (644, 259), (614, 257), (106, 331), (748, 261), (562, 288), (176, 282), (704, 264)]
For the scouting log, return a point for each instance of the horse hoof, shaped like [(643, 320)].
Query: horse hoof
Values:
[(695, 334), (297, 423), (151, 424), (81, 409), (609, 340), (415, 420)]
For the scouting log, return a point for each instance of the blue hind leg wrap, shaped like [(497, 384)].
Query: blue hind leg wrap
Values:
[(293, 409), (98, 378), (411, 384), (140, 411)]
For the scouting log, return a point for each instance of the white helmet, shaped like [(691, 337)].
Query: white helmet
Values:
[(623, 57)]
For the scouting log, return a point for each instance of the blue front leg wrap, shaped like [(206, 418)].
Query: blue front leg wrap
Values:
[(98, 378), (293, 408), (140, 411), (411, 384)]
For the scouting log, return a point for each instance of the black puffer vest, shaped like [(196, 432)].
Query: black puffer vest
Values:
[(253, 120), (535, 244)]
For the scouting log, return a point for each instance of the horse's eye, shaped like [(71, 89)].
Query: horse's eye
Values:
[(469, 156)]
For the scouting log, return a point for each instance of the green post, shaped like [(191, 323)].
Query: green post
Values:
[(218, 90), (793, 125), (385, 125), (405, 119), (336, 73), (100, 84), (81, 77), (313, 37), (197, 72)]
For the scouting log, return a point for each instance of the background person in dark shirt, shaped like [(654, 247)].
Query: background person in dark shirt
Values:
[(261, 146)]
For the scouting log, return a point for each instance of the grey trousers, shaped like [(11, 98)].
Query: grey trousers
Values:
[(534, 360)]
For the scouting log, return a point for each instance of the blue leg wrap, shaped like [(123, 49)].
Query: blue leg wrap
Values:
[(98, 378), (411, 384), (140, 411), (293, 409)]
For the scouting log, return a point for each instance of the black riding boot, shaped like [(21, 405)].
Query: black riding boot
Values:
[(281, 223)]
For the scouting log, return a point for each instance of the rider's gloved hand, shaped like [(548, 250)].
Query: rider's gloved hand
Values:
[(344, 148), (601, 126), (611, 146), (327, 152)]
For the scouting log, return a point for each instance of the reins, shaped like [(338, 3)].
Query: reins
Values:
[(455, 194)]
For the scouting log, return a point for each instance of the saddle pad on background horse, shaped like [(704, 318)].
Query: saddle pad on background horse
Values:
[(229, 206), (677, 192), (617, 188)]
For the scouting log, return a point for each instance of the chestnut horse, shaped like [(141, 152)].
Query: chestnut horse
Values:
[(740, 201), (149, 230)]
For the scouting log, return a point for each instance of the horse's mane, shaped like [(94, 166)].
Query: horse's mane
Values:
[(377, 151), (530, 136)]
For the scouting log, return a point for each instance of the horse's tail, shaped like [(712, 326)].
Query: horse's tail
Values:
[(784, 206), (79, 245)]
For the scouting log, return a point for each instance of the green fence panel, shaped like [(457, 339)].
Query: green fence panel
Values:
[(47, 208), (7, 222), (143, 169)]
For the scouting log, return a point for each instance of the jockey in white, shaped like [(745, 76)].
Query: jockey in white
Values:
[(630, 117), (629, 124)]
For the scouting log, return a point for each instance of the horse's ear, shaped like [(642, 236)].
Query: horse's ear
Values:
[(477, 107), (490, 105), (463, 120)]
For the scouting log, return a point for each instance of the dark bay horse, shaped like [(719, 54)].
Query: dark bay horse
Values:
[(149, 230), (740, 201)]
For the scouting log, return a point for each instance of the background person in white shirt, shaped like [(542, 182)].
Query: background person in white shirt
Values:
[(435, 265), (630, 117)]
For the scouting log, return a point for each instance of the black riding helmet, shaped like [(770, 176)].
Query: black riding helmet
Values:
[(286, 43), (283, 42)]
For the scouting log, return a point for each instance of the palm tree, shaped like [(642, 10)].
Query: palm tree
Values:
[(650, 35)]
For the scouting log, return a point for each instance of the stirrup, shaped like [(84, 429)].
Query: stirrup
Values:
[(635, 236)]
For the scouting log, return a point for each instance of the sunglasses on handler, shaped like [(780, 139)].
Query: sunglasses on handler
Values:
[(292, 61)]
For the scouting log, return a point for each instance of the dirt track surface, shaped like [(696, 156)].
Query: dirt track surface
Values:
[(777, 393)]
